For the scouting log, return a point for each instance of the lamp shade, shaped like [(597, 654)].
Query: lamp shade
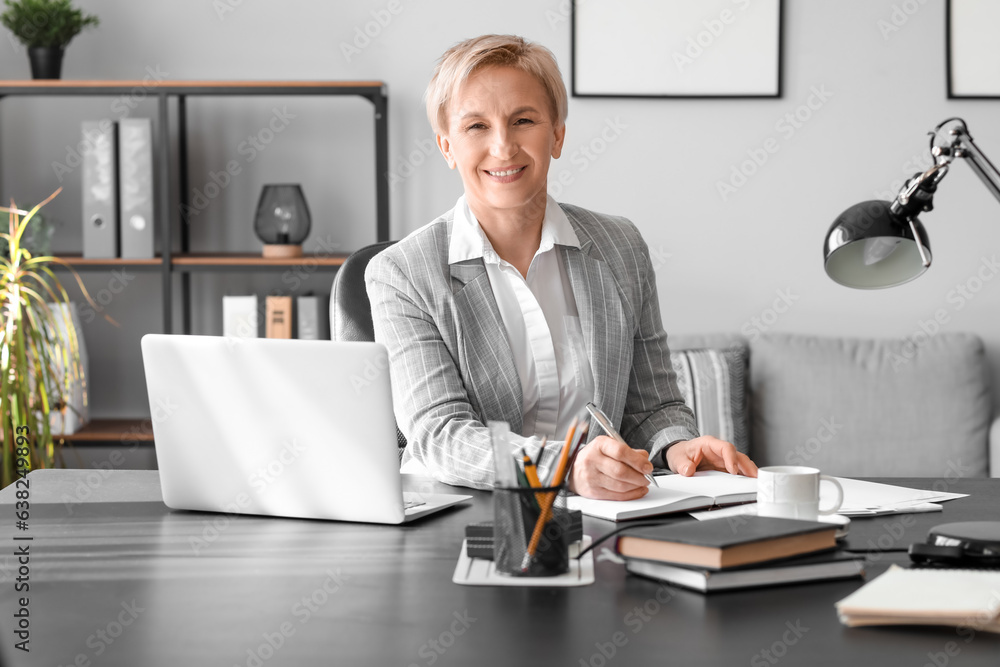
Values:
[(282, 217), (870, 247)]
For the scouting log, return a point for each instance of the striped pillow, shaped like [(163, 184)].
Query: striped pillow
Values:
[(713, 383)]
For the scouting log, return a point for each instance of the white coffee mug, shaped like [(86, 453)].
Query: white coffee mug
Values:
[(792, 492)]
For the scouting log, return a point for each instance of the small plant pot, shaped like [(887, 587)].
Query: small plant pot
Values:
[(46, 61)]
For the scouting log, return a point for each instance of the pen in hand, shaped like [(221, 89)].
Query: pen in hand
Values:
[(606, 424)]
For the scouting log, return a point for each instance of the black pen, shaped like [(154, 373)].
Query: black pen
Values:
[(606, 424)]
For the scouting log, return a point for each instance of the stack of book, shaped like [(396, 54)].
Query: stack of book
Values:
[(738, 552)]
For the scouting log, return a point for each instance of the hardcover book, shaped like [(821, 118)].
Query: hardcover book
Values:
[(811, 567), (723, 543)]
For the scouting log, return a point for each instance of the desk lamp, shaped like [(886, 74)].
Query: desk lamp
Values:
[(282, 221), (878, 244)]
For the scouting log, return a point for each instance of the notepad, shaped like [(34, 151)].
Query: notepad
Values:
[(675, 493), (958, 598)]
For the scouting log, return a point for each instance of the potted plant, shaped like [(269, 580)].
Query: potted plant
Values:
[(45, 27), (39, 350)]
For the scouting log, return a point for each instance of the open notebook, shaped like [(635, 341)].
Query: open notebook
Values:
[(675, 493), (711, 488)]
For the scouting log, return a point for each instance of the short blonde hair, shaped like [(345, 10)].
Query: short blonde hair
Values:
[(465, 58)]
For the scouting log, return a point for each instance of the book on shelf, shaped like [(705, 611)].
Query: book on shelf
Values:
[(278, 314), (810, 567), (312, 317), (965, 599), (674, 493), (717, 544), (239, 316)]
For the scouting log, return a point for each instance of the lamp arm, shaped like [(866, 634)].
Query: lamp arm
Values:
[(981, 164), (917, 194), (952, 138)]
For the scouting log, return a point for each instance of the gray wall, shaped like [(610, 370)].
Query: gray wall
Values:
[(721, 262)]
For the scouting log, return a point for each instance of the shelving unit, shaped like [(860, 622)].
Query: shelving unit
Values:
[(182, 261)]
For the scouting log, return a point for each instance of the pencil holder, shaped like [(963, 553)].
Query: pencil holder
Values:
[(530, 531)]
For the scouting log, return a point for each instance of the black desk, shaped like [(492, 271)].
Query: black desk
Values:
[(189, 589)]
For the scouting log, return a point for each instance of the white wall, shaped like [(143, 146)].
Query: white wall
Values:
[(720, 263)]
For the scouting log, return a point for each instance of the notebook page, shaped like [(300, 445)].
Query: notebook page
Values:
[(711, 483), (655, 502)]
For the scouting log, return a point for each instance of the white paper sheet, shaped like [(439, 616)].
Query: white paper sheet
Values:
[(866, 497)]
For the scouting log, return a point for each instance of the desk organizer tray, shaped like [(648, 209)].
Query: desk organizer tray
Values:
[(480, 572)]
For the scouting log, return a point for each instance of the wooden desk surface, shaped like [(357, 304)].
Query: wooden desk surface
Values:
[(121, 580)]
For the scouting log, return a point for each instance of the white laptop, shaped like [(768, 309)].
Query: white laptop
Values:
[(292, 428)]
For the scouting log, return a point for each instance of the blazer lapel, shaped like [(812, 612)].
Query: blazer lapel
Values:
[(605, 330), (484, 345)]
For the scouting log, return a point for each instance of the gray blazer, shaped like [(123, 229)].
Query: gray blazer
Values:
[(451, 366)]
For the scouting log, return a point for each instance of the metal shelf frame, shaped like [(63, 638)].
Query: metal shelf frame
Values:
[(374, 91)]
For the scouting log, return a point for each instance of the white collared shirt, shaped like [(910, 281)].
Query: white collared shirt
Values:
[(540, 317)]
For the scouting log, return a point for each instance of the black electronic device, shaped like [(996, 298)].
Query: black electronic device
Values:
[(963, 544)]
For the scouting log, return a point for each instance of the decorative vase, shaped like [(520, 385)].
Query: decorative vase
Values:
[(46, 61)]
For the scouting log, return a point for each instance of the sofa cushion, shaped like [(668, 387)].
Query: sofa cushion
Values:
[(857, 407), (713, 383)]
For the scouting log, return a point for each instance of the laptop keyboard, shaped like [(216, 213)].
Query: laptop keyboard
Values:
[(411, 500)]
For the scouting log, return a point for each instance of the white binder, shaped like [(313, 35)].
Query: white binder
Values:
[(100, 189), (239, 316), (135, 171)]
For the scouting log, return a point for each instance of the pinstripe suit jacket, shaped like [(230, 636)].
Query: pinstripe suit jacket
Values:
[(451, 366)]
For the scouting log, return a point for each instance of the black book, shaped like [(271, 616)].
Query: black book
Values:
[(812, 567), (722, 543)]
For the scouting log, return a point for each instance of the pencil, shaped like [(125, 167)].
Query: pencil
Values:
[(531, 474), (546, 504), (576, 450)]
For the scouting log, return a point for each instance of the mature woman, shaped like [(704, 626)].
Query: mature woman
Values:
[(513, 307)]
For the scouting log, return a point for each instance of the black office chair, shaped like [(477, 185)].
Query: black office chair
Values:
[(350, 309)]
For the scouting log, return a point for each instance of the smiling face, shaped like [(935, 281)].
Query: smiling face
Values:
[(500, 136)]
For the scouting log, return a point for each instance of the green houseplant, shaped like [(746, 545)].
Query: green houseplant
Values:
[(38, 364), (46, 27)]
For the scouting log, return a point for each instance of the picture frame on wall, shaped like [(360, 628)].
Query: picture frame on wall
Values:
[(676, 48), (972, 49)]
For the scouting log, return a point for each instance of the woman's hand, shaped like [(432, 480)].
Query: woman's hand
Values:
[(708, 453), (610, 470)]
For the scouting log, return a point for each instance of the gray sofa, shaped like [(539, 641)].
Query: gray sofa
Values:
[(862, 407)]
